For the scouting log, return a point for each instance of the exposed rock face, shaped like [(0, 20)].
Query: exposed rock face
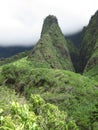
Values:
[(89, 46), (52, 48)]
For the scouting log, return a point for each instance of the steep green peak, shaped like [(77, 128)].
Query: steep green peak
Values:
[(95, 15), (51, 50), (48, 22), (51, 19), (94, 19), (88, 59)]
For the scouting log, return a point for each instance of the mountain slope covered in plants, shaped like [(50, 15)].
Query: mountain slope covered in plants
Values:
[(52, 48), (89, 47)]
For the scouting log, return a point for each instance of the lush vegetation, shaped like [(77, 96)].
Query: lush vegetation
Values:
[(69, 91), (33, 115), (89, 47), (13, 58)]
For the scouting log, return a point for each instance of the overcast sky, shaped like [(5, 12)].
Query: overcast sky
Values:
[(21, 20)]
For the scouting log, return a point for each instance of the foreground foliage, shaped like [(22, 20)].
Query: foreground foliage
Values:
[(35, 115), (69, 91)]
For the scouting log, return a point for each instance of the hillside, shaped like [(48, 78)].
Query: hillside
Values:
[(69, 91), (18, 114), (89, 47)]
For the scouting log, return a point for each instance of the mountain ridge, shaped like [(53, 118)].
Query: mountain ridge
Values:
[(89, 46)]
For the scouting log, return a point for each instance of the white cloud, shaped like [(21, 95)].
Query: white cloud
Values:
[(21, 20)]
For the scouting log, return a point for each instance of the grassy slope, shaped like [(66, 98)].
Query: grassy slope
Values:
[(91, 69), (70, 91), (18, 114)]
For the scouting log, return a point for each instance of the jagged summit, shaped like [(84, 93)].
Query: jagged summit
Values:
[(50, 19), (51, 49), (94, 20), (48, 22), (94, 16)]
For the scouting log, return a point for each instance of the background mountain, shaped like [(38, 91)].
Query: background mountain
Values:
[(12, 50)]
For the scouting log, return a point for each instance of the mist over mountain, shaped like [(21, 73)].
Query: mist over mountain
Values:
[(21, 20)]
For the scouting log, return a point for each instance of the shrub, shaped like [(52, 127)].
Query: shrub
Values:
[(24, 117)]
